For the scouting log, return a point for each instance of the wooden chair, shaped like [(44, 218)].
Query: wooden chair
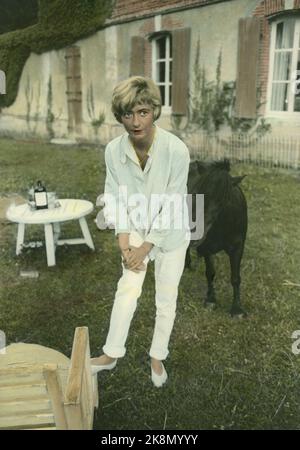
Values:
[(41, 388)]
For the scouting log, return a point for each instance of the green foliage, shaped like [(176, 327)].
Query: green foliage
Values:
[(96, 120), (212, 103), (223, 373), (61, 23), (16, 14)]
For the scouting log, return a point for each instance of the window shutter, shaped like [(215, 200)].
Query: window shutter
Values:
[(181, 66), (137, 56), (74, 90), (247, 65)]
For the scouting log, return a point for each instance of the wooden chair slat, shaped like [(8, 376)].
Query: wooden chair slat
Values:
[(42, 389)]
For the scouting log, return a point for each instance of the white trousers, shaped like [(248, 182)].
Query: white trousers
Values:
[(168, 270)]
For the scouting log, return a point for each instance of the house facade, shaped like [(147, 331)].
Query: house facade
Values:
[(186, 46)]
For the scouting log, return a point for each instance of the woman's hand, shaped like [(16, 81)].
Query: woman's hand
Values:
[(137, 255), (125, 256), (132, 256)]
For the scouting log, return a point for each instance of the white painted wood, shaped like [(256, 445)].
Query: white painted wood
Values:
[(86, 233), (50, 246), (70, 209), (20, 238), (166, 107), (290, 113), (271, 66), (73, 241), (56, 231)]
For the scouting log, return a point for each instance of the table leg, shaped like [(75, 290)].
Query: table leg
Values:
[(50, 247), (20, 237), (56, 231), (86, 233)]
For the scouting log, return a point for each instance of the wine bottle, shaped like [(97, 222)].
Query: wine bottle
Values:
[(40, 196)]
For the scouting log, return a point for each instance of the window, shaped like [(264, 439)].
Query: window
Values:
[(162, 67), (285, 66)]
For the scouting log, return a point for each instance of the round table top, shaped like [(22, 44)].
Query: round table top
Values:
[(32, 355), (69, 209), (28, 354)]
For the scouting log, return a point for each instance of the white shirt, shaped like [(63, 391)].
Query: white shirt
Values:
[(133, 197)]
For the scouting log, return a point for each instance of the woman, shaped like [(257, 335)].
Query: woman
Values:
[(150, 165)]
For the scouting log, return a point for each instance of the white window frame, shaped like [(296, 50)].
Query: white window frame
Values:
[(289, 113), (167, 108)]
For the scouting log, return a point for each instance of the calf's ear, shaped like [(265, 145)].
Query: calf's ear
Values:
[(237, 180)]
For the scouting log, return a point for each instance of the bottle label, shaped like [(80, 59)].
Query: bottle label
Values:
[(40, 199)]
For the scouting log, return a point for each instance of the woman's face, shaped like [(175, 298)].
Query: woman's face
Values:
[(139, 123)]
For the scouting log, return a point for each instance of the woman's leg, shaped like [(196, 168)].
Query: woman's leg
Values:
[(128, 291), (168, 271)]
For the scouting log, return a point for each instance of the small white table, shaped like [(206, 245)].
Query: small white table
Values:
[(70, 209)]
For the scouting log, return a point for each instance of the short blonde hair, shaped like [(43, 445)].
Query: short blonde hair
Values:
[(135, 91)]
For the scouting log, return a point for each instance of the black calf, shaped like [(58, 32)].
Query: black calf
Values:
[(225, 223)]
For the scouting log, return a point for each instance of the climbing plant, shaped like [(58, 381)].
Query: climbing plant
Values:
[(16, 14), (96, 119), (60, 23), (212, 103)]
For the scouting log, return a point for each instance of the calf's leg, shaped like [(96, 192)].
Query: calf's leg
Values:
[(235, 257), (210, 273)]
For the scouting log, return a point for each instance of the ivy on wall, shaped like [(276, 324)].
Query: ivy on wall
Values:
[(60, 23), (27, 14)]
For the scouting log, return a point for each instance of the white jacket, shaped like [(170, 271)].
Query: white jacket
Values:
[(151, 201)]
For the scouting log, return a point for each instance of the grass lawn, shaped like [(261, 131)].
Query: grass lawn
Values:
[(223, 373)]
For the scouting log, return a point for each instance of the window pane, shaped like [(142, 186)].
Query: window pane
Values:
[(161, 48), (162, 93), (161, 72), (170, 72), (170, 38), (296, 87), (279, 100), (285, 34), (282, 64), (170, 95), (297, 102)]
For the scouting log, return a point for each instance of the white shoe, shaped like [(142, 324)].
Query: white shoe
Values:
[(159, 380), (99, 367)]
